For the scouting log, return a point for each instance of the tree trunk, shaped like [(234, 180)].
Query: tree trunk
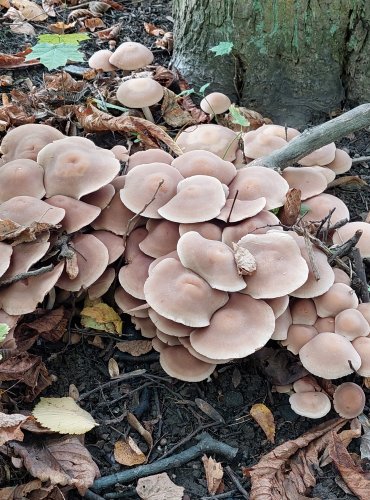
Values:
[(295, 61)]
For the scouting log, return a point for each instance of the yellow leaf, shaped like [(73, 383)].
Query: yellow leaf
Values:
[(113, 368), (265, 419), (100, 316), (63, 415), (128, 453)]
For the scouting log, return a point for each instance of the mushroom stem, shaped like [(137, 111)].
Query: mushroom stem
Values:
[(147, 113)]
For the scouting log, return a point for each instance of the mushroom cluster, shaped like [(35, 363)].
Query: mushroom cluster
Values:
[(209, 273)]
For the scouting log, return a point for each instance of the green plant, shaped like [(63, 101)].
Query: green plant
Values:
[(54, 51), (222, 49), (4, 329)]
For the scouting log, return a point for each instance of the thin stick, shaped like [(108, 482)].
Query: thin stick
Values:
[(360, 159), (360, 275), (124, 376), (232, 206), (347, 246), (236, 482), (311, 255), (92, 496), (206, 444), (28, 274)]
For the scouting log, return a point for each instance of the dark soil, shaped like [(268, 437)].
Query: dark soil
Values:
[(167, 403)]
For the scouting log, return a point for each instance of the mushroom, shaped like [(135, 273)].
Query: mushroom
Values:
[(21, 177), (341, 276), (237, 210), (6, 253), (364, 309), (320, 206), (185, 341), (133, 276), (279, 305), (120, 152), (168, 326), (325, 324), (77, 213), (100, 61), (100, 198), (145, 325), (257, 144), (148, 156), (215, 103), (140, 93), (132, 243), (161, 239), (303, 312), (351, 324), (339, 297), (115, 217), (205, 229), (306, 384), (258, 224), (342, 162), (177, 362), (169, 340), (131, 56), (25, 210), (310, 404), (127, 302), (321, 156), (308, 180), (362, 346), (23, 257), (171, 255), (298, 336), (346, 232), (349, 400), (102, 284), (114, 244), (282, 325)]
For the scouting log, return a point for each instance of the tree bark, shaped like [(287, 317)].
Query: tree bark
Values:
[(295, 61)]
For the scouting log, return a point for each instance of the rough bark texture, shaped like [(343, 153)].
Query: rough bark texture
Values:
[(296, 61)]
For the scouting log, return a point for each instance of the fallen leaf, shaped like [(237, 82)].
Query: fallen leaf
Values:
[(172, 113), (30, 10), (236, 377), (208, 410), (37, 490), (12, 61), (61, 27), (153, 30), (113, 368), (78, 14), (5, 4), (49, 6), (348, 181), (114, 5), (64, 82), (109, 33), (279, 366), (254, 118), (51, 326), (16, 234), (63, 461), (10, 427), (290, 211), (101, 317), (73, 392), (135, 424), (63, 415), (214, 475), (97, 341), (158, 487), (346, 437), (32, 425), (166, 42), (93, 23), (6, 80), (265, 419), (164, 76), (128, 453), (98, 8), (22, 28), (135, 347)]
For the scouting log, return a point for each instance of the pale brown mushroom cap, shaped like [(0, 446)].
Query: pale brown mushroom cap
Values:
[(177, 362), (149, 156), (185, 341), (321, 156), (100, 198), (168, 326), (280, 267), (201, 162), (362, 346), (306, 384), (92, 261), (100, 60), (158, 345), (77, 213), (336, 299), (179, 294), (286, 133), (114, 244), (342, 162), (214, 138), (23, 257), (346, 232), (256, 182), (278, 305), (133, 276), (127, 302), (102, 284), (329, 355), (131, 56), (205, 229), (341, 276), (351, 324), (212, 260), (257, 144), (349, 400), (21, 177), (364, 309), (139, 92), (319, 207), (258, 224), (238, 210), (309, 181), (25, 210), (169, 340), (171, 255), (238, 329), (120, 152), (23, 296), (6, 253), (303, 312), (325, 324), (146, 326), (142, 184), (215, 103), (329, 174), (75, 167), (282, 324), (132, 243), (161, 239), (310, 404), (27, 140), (198, 199), (115, 217), (298, 336)]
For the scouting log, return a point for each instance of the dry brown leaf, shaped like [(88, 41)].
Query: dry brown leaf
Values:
[(286, 472), (78, 14), (348, 181), (63, 461), (279, 366), (60, 27), (159, 487), (135, 347), (63, 82), (109, 33), (153, 30), (94, 120), (49, 6), (93, 23), (113, 368), (10, 230), (255, 119), (98, 8), (265, 419), (346, 437), (32, 425), (164, 76), (135, 424), (73, 392), (6, 80), (208, 410), (97, 341), (30, 10), (128, 453), (10, 427), (114, 5), (214, 475), (166, 42), (12, 61), (51, 326), (22, 28), (172, 112), (34, 490), (289, 213)]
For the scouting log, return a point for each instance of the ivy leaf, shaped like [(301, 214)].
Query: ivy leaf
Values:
[(54, 55), (237, 117), (69, 38), (4, 329), (222, 49), (203, 88)]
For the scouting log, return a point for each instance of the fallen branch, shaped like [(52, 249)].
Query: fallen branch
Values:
[(28, 274), (317, 137), (124, 376), (206, 444), (346, 248), (360, 281)]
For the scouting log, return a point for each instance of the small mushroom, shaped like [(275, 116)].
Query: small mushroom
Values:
[(148, 156), (258, 224), (100, 61), (321, 156), (342, 162), (127, 302), (339, 297), (133, 276), (308, 180), (362, 346), (168, 326), (349, 400), (140, 93), (77, 213), (310, 404), (177, 362), (161, 239), (206, 229), (21, 177), (320, 206), (351, 324), (303, 312), (346, 232), (298, 336), (26, 210), (131, 55), (215, 103)]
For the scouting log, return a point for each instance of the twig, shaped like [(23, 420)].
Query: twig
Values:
[(324, 220), (346, 248), (236, 482), (311, 255), (92, 496), (124, 376), (360, 159), (316, 137), (206, 444), (232, 206), (360, 275), (28, 274)]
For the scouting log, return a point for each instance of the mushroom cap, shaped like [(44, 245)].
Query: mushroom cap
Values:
[(77, 213), (177, 362), (329, 174), (349, 400), (148, 156), (212, 260), (286, 133), (258, 224), (92, 261), (214, 138), (6, 253), (23, 296), (206, 229), (280, 267), (279, 305), (351, 324), (102, 284), (23, 256), (346, 232), (120, 152), (238, 329), (139, 92), (308, 180), (168, 339), (257, 144), (199, 198), (364, 309), (185, 341), (329, 355), (325, 324), (303, 312), (319, 207), (100, 198), (129, 304), (27, 140), (282, 324), (339, 297), (142, 184), (310, 404), (131, 56), (341, 276), (200, 162), (298, 336), (362, 346), (171, 255), (145, 325), (115, 217), (179, 294), (100, 60), (25, 210), (342, 162), (215, 103), (158, 345), (237, 210), (161, 239), (132, 243), (115, 244), (133, 276), (168, 326), (21, 177), (75, 166), (306, 384), (321, 156), (256, 182)]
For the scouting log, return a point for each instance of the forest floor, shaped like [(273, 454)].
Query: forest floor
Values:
[(172, 407)]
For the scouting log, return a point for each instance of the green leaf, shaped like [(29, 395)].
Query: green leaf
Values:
[(274, 211), (304, 209), (203, 88), (184, 93), (105, 105), (237, 117), (69, 39), (4, 329), (222, 49), (53, 56)]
